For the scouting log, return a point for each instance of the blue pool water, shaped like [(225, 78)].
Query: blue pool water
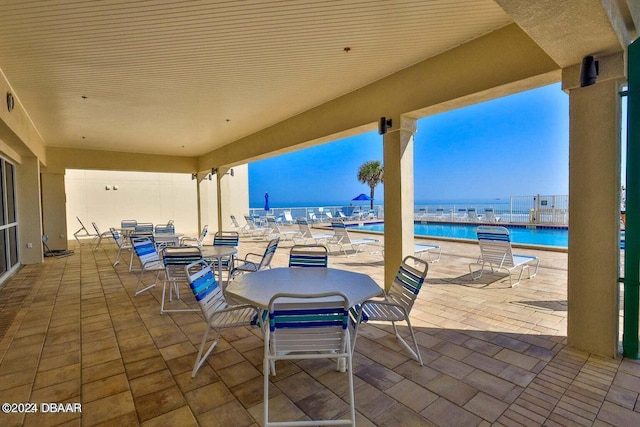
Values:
[(545, 236)]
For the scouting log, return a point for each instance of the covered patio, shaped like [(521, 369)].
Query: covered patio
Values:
[(72, 331)]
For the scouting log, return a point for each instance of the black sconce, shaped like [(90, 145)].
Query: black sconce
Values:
[(589, 71), (383, 125)]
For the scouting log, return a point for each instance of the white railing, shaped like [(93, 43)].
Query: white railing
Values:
[(535, 209), (322, 213)]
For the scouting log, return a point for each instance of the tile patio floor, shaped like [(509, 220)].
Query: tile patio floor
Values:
[(72, 331)]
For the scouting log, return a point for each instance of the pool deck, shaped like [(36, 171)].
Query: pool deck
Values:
[(71, 330)]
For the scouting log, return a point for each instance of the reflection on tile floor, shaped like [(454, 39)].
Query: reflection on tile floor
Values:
[(71, 331)]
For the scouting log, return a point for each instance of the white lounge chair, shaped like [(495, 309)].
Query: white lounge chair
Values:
[(472, 215), (288, 219), (306, 234), (490, 216), (275, 229), (495, 250), (461, 215), (254, 230), (343, 239), (422, 248), (440, 214)]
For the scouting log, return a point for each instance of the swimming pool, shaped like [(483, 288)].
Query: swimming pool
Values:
[(544, 236)]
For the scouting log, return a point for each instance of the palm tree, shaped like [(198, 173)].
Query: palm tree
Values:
[(372, 174)]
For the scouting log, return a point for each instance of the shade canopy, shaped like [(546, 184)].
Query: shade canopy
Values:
[(362, 196)]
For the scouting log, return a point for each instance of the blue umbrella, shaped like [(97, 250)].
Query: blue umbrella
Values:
[(266, 201), (361, 196)]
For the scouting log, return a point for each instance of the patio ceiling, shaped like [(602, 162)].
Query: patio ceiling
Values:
[(187, 77)]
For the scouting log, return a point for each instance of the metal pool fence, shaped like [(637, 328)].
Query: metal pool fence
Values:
[(534, 209)]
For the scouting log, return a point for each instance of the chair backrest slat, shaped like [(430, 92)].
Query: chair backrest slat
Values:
[(269, 252), (340, 230), (205, 288), (116, 236), (408, 281), (143, 227), (145, 248), (165, 229), (176, 258), (226, 238), (495, 245), (308, 323), (308, 256)]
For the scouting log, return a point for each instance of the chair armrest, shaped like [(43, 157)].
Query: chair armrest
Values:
[(246, 258)]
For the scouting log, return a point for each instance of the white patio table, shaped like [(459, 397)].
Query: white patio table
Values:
[(219, 252), (258, 287)]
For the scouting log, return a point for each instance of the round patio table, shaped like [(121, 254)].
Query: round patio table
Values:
[(219, 252), (257, 288)]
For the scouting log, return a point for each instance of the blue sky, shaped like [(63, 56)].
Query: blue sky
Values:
[(512, 146)]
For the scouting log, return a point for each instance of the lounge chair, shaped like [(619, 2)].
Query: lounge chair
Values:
[(495, 250), (461, 215), (306, 234), (275, 229), (440, 214), (422, 248), (254, 230), (83, 234), (490, 216), (288, 219), (343, 239), (101, 235), (472, 215), (422, 214)]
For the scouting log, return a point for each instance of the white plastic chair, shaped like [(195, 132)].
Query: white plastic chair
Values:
[(123, 245), (397, 303), (308, 327), (175, 260), (217, 312), (145, 250), (197, 241), (260, 262)]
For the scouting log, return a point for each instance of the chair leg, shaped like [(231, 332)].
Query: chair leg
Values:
[(415, 352), (118, 256), (138, 290), (200, 358)]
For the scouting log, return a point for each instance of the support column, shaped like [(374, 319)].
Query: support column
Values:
[(30, 211), (398, 195), (594, 217)]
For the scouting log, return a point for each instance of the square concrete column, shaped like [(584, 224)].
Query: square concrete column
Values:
[(398, 195), (30, 211), (594, 218)]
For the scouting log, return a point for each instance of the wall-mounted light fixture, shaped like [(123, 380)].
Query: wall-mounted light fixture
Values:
[(10, 101), (107, 187), (194, 176), (383, 125), (589, 71)]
